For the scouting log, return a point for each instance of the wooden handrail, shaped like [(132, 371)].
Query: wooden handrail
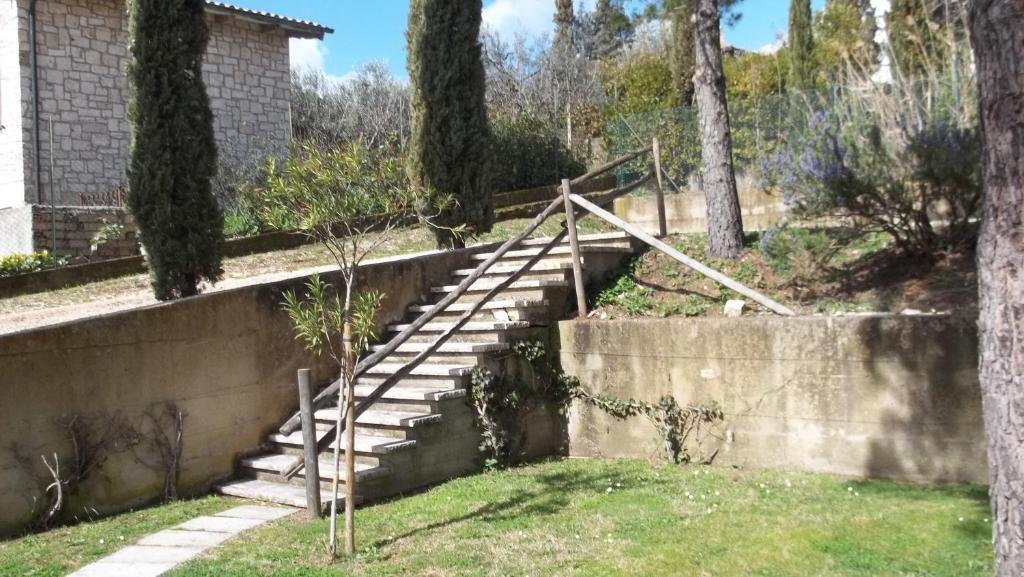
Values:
[(405, 369), (292, 424), (695, 265)]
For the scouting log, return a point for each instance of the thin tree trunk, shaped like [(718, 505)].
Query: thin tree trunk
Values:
[(997, 32), (350, 441), (725, 225)]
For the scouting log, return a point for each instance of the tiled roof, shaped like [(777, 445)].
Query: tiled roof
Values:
[(295, 27)]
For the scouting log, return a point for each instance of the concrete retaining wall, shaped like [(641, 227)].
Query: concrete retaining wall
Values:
[(686, 212), (228, 359), (880, 396)]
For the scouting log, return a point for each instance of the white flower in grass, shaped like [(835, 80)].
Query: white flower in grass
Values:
[(102, 541), (608, 490), (961, 519)]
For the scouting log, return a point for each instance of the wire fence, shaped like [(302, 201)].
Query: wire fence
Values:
[(759, 128)]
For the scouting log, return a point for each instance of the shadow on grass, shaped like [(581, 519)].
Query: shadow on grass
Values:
[(554, 492)]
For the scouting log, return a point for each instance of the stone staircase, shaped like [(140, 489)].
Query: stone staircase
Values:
[(422, 432)]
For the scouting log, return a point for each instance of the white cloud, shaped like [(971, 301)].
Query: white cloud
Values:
[(309, 55), (773, 46), (530, 17)]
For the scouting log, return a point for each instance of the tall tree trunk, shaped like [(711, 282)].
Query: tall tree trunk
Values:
[(725, 225), (997, 32)]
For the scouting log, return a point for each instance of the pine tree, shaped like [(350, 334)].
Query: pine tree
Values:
[(683, 63), (450, 144), (1000, 263), (173, 152), (563, 25), (801, 45), (717, 177), (611, 26)]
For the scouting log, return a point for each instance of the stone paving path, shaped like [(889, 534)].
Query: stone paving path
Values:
[(160, 552)]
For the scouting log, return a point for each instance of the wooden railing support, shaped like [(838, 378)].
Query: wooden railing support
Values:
[(405, 369), (331, 391), (695, 265), (574, 246), (659, 192), (311, 451)]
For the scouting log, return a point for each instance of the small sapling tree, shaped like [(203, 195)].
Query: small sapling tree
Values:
[(350, 200)]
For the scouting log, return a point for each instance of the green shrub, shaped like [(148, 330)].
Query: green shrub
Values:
[(15, 264), (634, 299), (528, 153)]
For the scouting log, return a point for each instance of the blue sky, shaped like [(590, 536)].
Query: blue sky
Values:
[(375, 29)]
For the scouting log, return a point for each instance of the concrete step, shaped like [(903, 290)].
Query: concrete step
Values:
[(365, 444), (485, 331), (425, 369), (535, 311), (277, 464), (594, 238), (485, 285), (448, 347), (422, 382), (497, 304), (560, 250), (412, 393), (280, 493), (541, 268), (382, 418), (470, 327)]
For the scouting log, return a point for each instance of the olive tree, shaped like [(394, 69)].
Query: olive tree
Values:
[(350, 200)]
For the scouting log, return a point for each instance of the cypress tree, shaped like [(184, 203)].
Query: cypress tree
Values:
[(173, 152), (683, 58), (801, 45), (450, 143)]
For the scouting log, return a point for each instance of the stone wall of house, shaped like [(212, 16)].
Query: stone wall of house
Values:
[(12, 185), (83, 90), (76, 229)]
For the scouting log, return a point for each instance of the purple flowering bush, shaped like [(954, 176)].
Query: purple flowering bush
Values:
[(924, 189)]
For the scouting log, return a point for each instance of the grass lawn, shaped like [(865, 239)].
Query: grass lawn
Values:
[(631, 518), (65, 549)]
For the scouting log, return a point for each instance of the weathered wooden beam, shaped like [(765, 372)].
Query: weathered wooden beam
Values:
[(574, 246), (659, 192), (695, 265)]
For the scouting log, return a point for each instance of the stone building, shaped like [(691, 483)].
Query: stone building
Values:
[(62, 80)]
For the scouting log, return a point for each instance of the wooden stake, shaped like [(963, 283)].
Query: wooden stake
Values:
[(574, 245), (311, 451), (659, 192), (350, 441)]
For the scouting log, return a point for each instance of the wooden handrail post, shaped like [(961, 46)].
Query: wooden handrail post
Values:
[(574, 246), (659, 192), (311, 461)]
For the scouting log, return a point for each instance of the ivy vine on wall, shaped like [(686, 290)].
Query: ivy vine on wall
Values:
[(503, 400)]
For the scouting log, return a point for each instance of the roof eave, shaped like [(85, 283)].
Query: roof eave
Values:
[(293, 29)]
